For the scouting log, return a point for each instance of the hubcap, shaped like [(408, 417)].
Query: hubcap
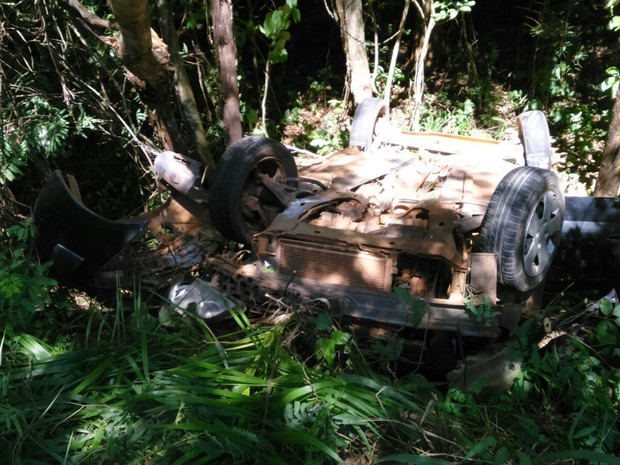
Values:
[(543, 226)]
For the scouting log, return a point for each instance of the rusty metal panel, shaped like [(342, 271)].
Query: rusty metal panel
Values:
[(483, 276), (328, 265)]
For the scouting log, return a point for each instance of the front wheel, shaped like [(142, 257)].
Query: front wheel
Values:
[(242, 200), (523, 226)]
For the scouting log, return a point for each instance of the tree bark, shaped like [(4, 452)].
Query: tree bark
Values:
[(351, 21), (146, 58), (226, 50), (157, 72), (608, 182), (88, 17), (184, 91), (427, 15), (395, 50)]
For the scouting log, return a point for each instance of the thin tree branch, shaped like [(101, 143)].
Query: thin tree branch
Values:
[(390, 77), (183, 88), (91, 19)]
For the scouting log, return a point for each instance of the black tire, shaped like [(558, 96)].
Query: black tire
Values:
[(237, 190), (523, 226), (364, 121)]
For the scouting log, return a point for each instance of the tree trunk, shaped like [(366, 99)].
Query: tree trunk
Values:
[(351, 21), (226, 50), (427, 16), (184, 91), (425, 9), (608, 182), (157, 72), (146, 57), (395, 51), (135, 46)]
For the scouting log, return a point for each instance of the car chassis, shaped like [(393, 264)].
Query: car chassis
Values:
[(374, 235)]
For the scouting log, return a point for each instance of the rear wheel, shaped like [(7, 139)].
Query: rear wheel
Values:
[(523, 226), (242, 200), (364, 122), (534, 135)]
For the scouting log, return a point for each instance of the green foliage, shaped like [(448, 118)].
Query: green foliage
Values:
[(481, 309), (329, 136), (581, 136), (612, 82), (398, 80), (613, 75), (445, 112), (576, 106), (41, 129), (196, 14), (171, 389), (577, 379), (448, 10), (389, 351), (614, 22), (276, 29), (125, 385), (185, 396), (58, 82), (24, 284), (564, 402), (320, 127), (556, 74), (605, 336), (445, 118), (331, 341), (573, 382), (417, 307)]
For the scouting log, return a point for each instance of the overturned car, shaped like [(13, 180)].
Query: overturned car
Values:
[(450, 235), (448, 242)]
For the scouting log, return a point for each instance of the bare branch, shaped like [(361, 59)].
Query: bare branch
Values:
[(91, 19)]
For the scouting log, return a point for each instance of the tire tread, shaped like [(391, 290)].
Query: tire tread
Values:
[(502, 229)]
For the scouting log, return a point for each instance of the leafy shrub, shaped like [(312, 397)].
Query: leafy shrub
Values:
[(322, 128), (24, 283), (42, 129)]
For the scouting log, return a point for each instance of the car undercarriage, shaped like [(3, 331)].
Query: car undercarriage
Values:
[(446, 245)]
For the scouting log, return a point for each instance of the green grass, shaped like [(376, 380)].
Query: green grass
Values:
[(173, 391), (179, 395), (86, 384)]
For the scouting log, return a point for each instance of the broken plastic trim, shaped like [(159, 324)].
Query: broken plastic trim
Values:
[(207, 300)]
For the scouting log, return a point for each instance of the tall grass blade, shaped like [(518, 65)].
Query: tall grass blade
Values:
[(590, 456), (306, 440), (413, 460)]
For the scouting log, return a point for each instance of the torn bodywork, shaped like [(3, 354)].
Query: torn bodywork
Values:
[(95, 253)]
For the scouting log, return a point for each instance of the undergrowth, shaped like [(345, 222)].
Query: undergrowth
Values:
[(132, 385), (142, 382)]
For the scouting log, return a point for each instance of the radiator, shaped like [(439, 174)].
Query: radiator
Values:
[(337, 266)]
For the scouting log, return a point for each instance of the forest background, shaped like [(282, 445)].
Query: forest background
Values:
[(84, 89)]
